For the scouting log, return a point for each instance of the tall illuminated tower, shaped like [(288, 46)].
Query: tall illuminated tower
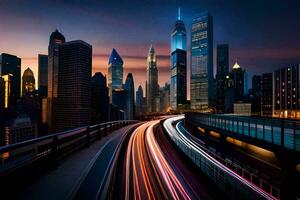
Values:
[(152, 90), (56, 39), (178, 64), (202, 62), (115, 72), (28, 82)]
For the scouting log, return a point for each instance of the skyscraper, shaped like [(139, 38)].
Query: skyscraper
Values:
[(100, 99), (56, 39), (152, 90), (267, 94), (256, 95), (165, 98), (222, 72), (178, 64), (238, 77), (286, 92), (74, 85), (129, 86), (139, 101), (115, 72), (11, 65), (201, 62), (28, 82), (43, 75)]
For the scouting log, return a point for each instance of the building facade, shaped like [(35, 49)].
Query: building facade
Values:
[(222, 72), (115, 72), (56, 39), (139, 101), (100, 99), (152, 90), (129, 86), (10, 65), (28, 82), (165, 104), (286, 92), (43, 75), (178, 64), (201, 72), (74, 85), (267, 94)]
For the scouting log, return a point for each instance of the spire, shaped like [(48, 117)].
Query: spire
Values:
[(179, 16), (115, 57)]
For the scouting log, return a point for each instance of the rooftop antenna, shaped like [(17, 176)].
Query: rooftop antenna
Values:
[(179, 17)]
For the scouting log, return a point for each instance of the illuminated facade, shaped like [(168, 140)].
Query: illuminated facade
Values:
[(115, 72), (178, 64), (28, 82), (11, 65), (7, 90), (56, 39), (201, 72), (287, 92), (152, 90)]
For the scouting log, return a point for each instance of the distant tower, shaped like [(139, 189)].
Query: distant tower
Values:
[(139, 101), (100, 99), (43, 75), (152, 92), (74, 85), (115, 72), (28, 82), (129, 86), (56, 39), (178, 64), (202, 62)]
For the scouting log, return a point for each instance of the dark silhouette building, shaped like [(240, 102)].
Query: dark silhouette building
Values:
[(139, 102), (100, 99), (56, 39), (267, 94), (74, 85), (129, 86), (178, 64), (222, 72), (119, 100), (43, 75), (256, 95), (11, 65)]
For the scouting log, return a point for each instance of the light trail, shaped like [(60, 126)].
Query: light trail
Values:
[(178, 136)]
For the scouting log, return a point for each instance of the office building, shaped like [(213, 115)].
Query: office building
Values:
[(152, 88), (178, 64), (256, 95), (100, 99), (129, 86), (139, 101), (56, 39), (43, 75), (115, 72), (286, 92), (119, 99), (267, 94), (165, 98), (201, 73), (222, 72), (10, 65), (74, 85)]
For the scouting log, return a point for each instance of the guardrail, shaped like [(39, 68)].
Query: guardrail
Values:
[(51, 148), (280, 132), (228, 181)]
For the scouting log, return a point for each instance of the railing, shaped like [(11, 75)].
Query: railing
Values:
[(280, 132), (53, 147), (227, 180)]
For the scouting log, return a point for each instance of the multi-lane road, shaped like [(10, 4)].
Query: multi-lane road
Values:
[(146, 162)]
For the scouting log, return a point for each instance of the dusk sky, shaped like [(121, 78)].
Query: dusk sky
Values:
[(263, 35)]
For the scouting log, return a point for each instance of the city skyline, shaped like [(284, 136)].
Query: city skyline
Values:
[(270, 50)]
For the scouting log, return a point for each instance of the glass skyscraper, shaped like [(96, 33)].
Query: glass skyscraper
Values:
[(178, 64), (115, 72), (129, 86), (201, 85)]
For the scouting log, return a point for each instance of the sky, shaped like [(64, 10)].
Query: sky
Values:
[(263, 35)]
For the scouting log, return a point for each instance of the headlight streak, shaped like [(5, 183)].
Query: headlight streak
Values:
[(178, 136)]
